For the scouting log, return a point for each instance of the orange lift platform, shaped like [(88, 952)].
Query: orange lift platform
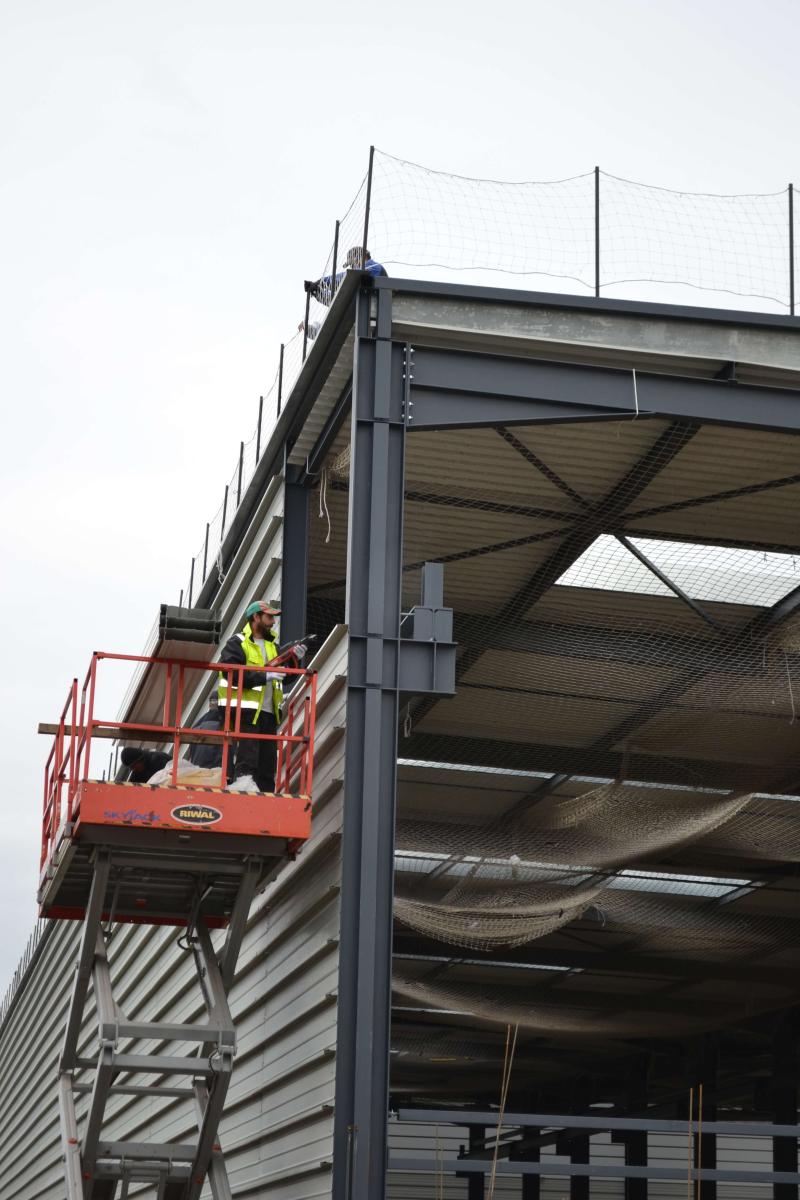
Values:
[(189, 856)]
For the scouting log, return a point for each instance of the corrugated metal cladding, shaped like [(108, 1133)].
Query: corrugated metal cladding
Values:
[(407, 1140), (277, 1129)]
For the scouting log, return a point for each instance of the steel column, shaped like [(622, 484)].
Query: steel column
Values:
[(373, 613), (784, 1101), (295, 555), (476, 1184)]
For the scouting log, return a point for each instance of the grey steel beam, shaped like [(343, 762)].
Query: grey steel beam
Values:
[(294, 578), (651, 647), (558, 300), (452, 389), (460, 1166), (594, 1121), (330, 430), (601, 763), (373, 614), (662, 577)]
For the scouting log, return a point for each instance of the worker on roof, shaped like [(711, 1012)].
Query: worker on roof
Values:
[(321, 290), (261, 697), (324, 289)]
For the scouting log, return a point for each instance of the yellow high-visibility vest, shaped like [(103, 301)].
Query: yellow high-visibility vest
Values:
[(253, 698)]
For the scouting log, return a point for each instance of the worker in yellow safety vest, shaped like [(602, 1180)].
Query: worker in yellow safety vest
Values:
[(260, 699)]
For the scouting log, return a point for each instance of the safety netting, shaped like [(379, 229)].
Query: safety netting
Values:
[(595, 229), (623, 747), (506, 1005)]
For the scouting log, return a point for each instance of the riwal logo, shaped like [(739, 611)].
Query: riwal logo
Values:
[(196, 814)]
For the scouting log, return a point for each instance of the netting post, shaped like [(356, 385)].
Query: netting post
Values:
[(280, 378), (239, 476), (180, 600), (367, 203), (597, 231), (335, 258), (791, 249), (191, 583), (258, 426), (205, 552), (224, 513), (307, 285)]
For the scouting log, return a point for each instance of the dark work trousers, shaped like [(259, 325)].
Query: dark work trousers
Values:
[(258, 759)]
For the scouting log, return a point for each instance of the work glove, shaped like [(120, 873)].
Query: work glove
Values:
[(276, 676), (300, 651)]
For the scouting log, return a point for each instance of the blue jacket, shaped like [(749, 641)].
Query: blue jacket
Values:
[(322, 288)]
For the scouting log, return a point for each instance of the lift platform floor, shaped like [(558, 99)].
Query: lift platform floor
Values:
[(173, 850)]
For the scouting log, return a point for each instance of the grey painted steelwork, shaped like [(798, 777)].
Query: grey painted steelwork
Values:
[(594, 1120), (295, 556), (374, 574), (453, 390), (453, 1166), (387, 656)]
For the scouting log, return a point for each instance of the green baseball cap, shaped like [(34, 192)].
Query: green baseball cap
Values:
[(272, 608)]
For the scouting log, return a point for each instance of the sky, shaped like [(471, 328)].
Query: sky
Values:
[(169, 175)]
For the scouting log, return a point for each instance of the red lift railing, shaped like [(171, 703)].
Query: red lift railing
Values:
[(68, 764)]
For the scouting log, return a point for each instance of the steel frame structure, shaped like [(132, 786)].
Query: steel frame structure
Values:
[(398, 389)]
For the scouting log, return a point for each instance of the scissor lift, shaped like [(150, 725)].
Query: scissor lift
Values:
[(191, 857)]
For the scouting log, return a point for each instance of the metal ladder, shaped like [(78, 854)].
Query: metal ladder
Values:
[(95, 1167)]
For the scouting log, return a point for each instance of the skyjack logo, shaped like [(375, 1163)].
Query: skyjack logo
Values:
[(196, 814)]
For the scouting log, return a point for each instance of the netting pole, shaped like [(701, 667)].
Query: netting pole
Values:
[(224, 513), (335, 257), (366, 207), (258, 427), (180, 601), (597, 231), (205, 553), (307, 285), (280, 378), (191, 583), (791, 249), (239, 476)]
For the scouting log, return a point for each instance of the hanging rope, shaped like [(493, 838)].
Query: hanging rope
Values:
[(323, 501), (635, 395), (791, 691), (508, 1061)]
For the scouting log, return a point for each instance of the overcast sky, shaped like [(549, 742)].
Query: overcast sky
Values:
[(170, 173)]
